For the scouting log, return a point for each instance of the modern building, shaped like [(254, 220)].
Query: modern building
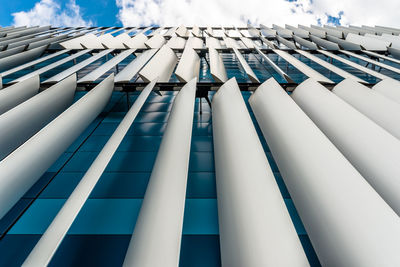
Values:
[(200, 146)]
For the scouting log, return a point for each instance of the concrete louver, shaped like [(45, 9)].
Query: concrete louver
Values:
[(135, 66), (194, 42), (26, 119), (15, 94), (109, 41), (307, 70), (98, 72), (254, 224), (182, 31), (156, 41), (305, 43), (317, 32), (52, 65), (157, 236), (344, 44), (324, 43), (252, 76), (389, 88), (45, 249), (344, 216), (20, 58), (196, 31), (176, 42), (161, 65), (373, 151), (34, 62), (62, 75), (138, 41), (23, 167), (380, 109), (274, 66), (368, 42), (329, 66), (212, 42), (189, 65), (217, 68), (298, 31)]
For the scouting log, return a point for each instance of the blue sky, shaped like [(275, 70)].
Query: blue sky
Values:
[(199, 12), (101, 12)]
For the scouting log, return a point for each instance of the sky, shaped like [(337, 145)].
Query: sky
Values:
[(198, 12)]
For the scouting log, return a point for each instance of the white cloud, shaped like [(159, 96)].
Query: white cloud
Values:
[(238, 12), (49, 12)]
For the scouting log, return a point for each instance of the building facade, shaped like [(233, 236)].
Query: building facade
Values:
[(200, 146)]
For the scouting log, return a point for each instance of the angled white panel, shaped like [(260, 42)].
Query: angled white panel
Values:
[(210, 31), (73, 43), (274, 66), (23, 121), (195, 43), (374, 62), (9, 62), (91, 41), (217, 67), (212, 42), (253, 31), (376, 55), (45, 249), (368, 42), (157, 31), (176, 42), (134, 67), (230, 42), (138, 41), (378, 31), (109, 41), (156, 240), (14, 95), (22, 168), (362, 31), (305, 43), (98, 72), (333, 32), (389, 88), (329, 66), (270, 44), (252, 76), (317, 32), (344, 44), (62, 75), (31, 63), (393, 30), (1, 82), (354, 65), (254, 224), (267, 32), (371, 149), (52, 65), (393, 39), (298, 31), (346, 30), (28, 41), (161, 65), (170, 32), (189, 65), (47, 41), (394, 52), (284, 33), (247, 42), (308, 71), (337, 206), (287, 43), (12, 51), (182, 31), (380, 109), (324, 43), (155, 42), (196, 31)]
